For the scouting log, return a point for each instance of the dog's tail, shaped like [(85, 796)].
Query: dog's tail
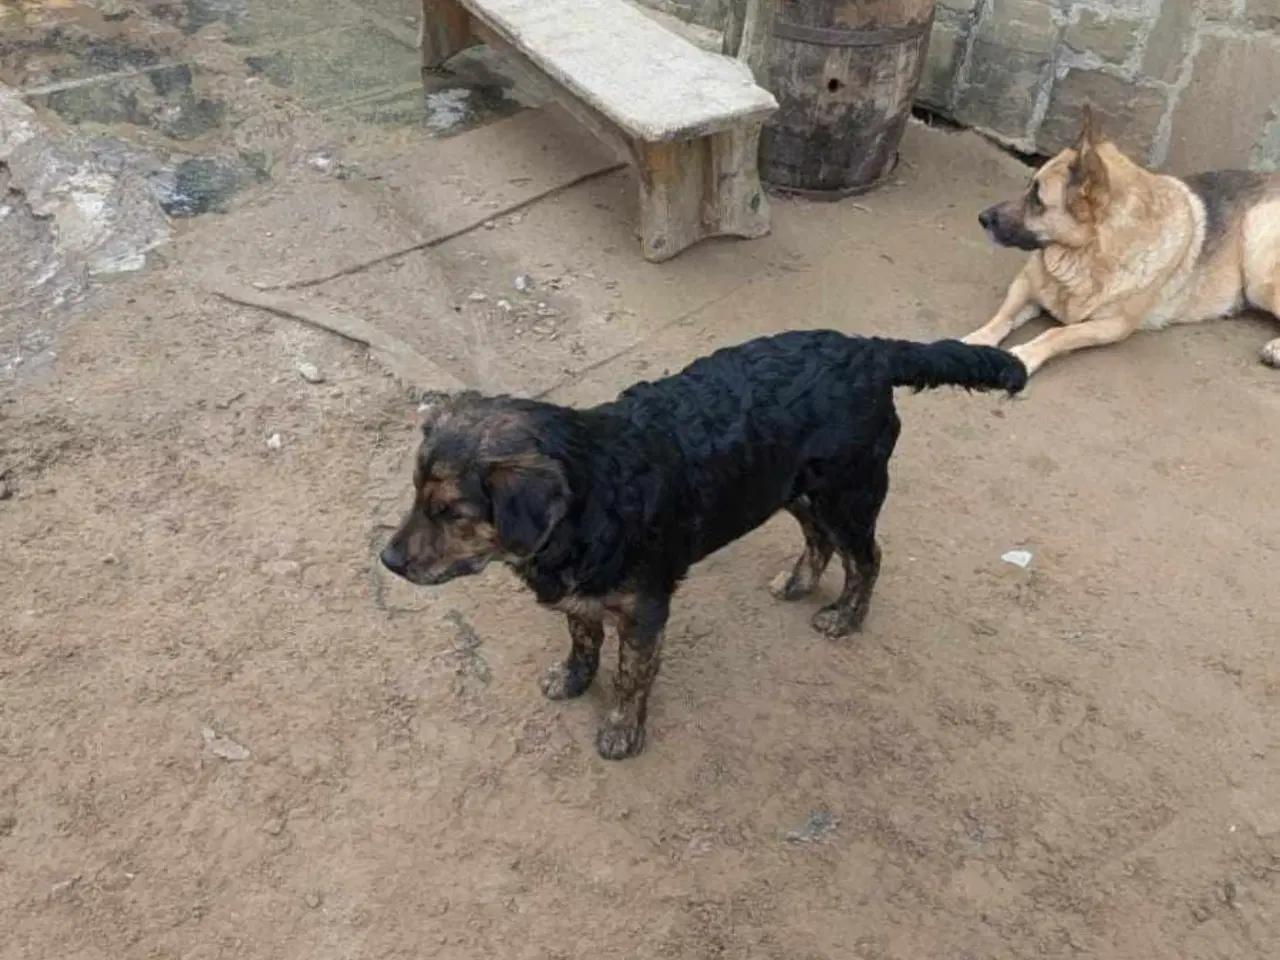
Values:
[(952, 363)]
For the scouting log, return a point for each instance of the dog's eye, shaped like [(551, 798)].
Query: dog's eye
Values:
[(1033, 197)]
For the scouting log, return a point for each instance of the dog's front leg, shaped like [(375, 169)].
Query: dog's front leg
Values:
[(1097, 331), (640, 633), (572, 676), (1019, 306)]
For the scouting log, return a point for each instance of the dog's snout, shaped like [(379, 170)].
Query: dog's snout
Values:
[(987, 218), (394, 559)]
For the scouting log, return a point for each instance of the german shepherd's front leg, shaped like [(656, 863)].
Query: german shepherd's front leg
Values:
[(1019, 306), (1097, 331)]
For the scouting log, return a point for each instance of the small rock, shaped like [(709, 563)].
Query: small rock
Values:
[(312, 900), (274, 827), (504, 305), (323, 162), (274, 442), (223, 747), (821, 824), (62, 889), (524, 283), (478, 297), (310, 372), (489, 225), (1019, 558)]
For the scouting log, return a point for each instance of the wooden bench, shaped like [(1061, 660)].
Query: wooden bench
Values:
[(688, 120)]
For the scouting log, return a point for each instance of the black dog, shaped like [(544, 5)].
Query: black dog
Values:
[(603, 511)]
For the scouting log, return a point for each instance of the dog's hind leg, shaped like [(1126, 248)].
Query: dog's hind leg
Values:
[(800, 580), (850, 516), (1019, 306), (572, 676), (622, 733)]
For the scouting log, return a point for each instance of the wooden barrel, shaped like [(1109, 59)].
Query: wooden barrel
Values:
[(845, 73)]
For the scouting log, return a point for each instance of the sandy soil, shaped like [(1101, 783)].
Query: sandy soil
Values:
[(224, 733)]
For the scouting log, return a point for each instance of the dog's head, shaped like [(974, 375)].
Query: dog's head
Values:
[(483, 491), (1065, 201)]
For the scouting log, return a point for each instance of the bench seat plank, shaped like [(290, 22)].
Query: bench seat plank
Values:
[(654, 84)]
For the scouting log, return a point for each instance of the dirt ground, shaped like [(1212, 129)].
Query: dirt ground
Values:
[(224, 733)]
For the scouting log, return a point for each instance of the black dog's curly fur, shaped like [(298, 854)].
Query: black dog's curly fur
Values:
[(603, 511)]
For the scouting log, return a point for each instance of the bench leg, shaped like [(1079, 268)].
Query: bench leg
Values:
[(445, 30), (694, 189)]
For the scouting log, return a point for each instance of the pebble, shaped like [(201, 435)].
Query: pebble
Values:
[(274, 827), (310, 372), (60, 889), (323, 162), (312, 900), (524, 283), (1019, 558), (477, 297), (274, 442), (223, 747)]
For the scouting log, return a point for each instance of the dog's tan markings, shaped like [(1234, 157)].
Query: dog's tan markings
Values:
[(1116, 248), (846, 614), (572, 676), (622, 732), (800, 580)]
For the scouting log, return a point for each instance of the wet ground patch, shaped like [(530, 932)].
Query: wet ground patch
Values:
[(183, 80)]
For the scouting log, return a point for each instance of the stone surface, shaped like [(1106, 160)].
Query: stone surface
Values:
[(946, 47), (1009, 63), (1169, 40), (1222, 112), (1110, 37), (1129, 113), (1263, 14), (1266, 152), (654, 84)]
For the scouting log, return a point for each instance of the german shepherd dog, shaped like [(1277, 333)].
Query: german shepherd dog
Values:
[(1116, 248), (601, 512)]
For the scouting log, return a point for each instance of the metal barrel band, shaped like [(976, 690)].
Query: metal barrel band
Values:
[(845, 37)]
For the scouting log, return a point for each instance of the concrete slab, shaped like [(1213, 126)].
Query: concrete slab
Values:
[(647, 79)]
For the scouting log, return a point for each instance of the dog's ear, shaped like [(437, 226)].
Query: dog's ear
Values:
[(1088, 184), (529, 496)]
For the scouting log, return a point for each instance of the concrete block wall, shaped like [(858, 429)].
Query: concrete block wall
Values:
[(1181, 84), (1184, 85)]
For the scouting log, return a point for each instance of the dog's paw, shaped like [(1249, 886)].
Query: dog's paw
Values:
[(1023, 352), (787, 586), (836, 621), (619, 738), (1270, 354), (565, 680)]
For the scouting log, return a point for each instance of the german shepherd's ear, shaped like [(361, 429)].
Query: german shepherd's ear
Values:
[(529, 497), (1088, 185), (1090, 128)]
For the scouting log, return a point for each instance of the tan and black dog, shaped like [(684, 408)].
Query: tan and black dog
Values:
[(602, 512), (1117, 248)]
